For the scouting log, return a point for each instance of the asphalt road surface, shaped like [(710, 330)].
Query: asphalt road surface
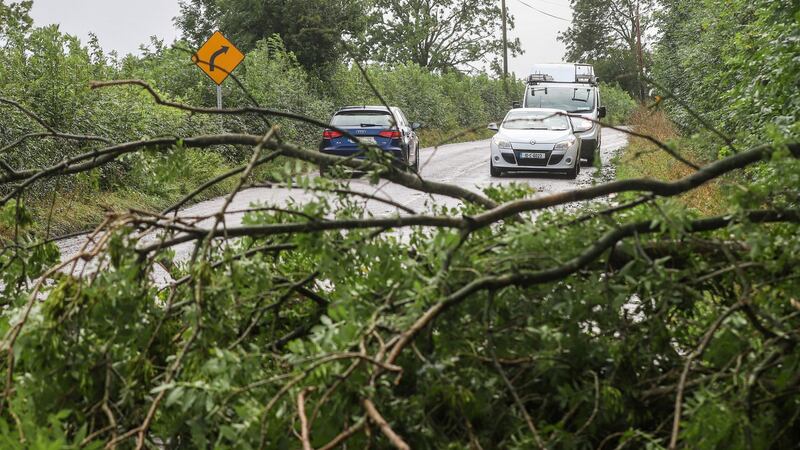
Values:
[(465, 164)]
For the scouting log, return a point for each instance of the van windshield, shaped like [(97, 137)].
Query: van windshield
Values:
[(570, 99)]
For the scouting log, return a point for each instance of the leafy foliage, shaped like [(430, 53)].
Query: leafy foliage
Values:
[(15, 16), (604, 33), (595, 355), (509, 321), (312, 29), (734, 63), (439, 35), (619, 103)]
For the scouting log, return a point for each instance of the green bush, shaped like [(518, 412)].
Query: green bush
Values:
[(619, 103), (441, 102), (734, 62)]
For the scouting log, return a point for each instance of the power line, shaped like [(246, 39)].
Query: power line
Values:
[(550, 2), (543, 12)]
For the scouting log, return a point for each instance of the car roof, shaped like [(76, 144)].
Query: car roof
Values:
[(363, 108)]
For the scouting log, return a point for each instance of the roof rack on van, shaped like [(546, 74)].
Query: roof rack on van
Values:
[(583, 73), (539, 78)]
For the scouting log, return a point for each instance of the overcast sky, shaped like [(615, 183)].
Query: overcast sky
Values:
[(124, 25)]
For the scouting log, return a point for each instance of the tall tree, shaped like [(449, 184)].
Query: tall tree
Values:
[(440, 35), (15, 16), (606, 33), (312, 29)]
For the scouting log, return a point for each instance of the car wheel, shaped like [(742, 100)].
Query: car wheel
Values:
[(494, 171)]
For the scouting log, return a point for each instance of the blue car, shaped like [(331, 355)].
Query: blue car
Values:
[(387, 128)]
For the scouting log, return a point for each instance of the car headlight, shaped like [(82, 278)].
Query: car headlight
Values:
[(564, 145), (502, 143), (581, 124)]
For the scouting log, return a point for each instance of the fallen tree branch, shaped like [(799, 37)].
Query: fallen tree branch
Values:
[(575, 264), (384, 426)]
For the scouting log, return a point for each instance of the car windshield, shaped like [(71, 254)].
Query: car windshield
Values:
[(362, 119), (539, 120), (570, 99)]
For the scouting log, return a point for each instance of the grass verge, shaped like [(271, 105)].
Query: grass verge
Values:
[(642, 159)]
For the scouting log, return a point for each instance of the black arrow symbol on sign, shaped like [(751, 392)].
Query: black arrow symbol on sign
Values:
[(217, 53)]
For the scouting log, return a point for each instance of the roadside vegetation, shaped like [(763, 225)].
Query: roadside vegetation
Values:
[(643, 159), (50, 73), (511, 321)]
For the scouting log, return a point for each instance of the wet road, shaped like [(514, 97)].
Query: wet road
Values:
[(465, 164)]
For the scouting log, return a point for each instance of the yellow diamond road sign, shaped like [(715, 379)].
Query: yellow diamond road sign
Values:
[(218, 57)]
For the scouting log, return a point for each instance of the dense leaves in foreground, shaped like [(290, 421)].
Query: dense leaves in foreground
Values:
[(269, 341), (642, 326)]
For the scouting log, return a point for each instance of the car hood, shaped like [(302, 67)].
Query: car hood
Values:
[(540, 136)]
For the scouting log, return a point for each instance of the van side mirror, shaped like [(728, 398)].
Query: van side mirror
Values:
[(516, 104), (601, 112), (416, 126), (493, 126)]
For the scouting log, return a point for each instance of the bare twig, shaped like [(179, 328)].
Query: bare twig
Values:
[(384, 426), (673, 442), (305, 431)]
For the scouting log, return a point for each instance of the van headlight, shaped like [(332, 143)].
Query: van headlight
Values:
[(580, 124), (564, 145), (502, 143)]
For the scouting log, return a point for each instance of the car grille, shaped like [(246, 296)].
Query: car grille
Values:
[(509, 158), (555, 159)]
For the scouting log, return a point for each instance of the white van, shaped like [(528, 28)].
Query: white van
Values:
[(572, 88)]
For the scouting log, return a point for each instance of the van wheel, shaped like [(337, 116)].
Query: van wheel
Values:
[(575, 170), (493, 171), (590, 160)]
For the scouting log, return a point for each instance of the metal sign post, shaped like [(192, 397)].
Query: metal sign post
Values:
[(219, 97)]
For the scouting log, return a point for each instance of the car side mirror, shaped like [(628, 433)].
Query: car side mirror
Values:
[(416, 126), (516, 104), (601, 112), (493, 126)]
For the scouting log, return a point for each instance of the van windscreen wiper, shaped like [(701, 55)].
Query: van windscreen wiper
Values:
[(575, 93)]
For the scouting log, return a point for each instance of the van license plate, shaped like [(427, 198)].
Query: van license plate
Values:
[(530, 155)]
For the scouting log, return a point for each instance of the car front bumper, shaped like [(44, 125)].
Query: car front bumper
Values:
[(511, 160)]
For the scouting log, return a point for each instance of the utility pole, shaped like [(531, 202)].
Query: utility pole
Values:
[(505, 46), (639, 55)]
